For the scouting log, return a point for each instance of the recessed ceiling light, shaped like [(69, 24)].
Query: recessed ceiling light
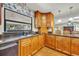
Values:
[(59, 21), (0, 41), (70, 19)]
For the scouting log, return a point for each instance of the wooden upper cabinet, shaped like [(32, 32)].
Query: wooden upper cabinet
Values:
[(43, 20), (37, 19), (75, 46), (50, 19)]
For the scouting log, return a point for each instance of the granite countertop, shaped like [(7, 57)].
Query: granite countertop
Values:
[(10, 39)]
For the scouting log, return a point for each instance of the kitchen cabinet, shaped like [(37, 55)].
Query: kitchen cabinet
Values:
[(49, 19), (24, 47), (50, 41), (66, 45), (43, 20), (34, 44), (41, 41), (29, 46), (37, 19), (59, 43), (75, 46), (43, 30), (63, 44)]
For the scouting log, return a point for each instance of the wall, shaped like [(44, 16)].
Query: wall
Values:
[(2, 21), (33, 23)]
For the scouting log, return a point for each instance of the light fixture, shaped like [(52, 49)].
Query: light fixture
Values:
[(70, 8), (59, 21), (76, 17), (1, 41), (70, 19), (59, 11)]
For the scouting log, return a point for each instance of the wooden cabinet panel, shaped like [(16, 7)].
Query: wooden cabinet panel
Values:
[(59, 43), (34, 44), (50, 20), (53, 42), (66, 45), (63, 44), (43, 20), (29, 46), (75, 46), (41, 41), (24, 46), (37, 19), (50, 41)]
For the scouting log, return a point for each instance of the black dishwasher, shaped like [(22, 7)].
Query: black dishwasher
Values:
[(9, 49)]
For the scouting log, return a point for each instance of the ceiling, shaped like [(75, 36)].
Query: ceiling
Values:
[(54, 7)]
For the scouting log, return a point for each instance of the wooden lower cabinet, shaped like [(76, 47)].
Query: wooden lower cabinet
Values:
[(66, 45), (63, 44), (34, 44), (50, 41), (41, 41), (75, 46), (59, 43), (24, 47), (29, 46)]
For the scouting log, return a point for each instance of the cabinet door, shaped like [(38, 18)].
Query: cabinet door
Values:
[(37, 19), (53, 41), (25, 45), (75, 46), (50, 41), (34, 44), (43, 20), (41, 41), (48, 19), (59, 43), (66, 45)]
